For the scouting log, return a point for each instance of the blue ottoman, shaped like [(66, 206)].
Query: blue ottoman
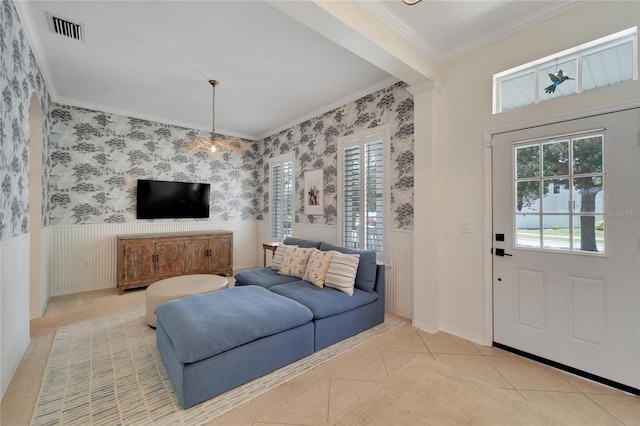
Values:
[(211, 343)]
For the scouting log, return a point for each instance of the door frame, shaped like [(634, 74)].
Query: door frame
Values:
[(487, 238)]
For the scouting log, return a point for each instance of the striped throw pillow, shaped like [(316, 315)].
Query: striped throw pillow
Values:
[(278, 257), (341, 274)]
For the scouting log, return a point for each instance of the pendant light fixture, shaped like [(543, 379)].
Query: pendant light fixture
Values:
[(194, 142)]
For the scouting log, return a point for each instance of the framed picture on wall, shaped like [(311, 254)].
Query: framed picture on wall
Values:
[(314, 192)]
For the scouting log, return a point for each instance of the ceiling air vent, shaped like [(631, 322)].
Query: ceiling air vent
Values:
[(65, 27)]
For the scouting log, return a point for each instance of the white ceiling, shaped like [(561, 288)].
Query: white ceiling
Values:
[(153, 59)]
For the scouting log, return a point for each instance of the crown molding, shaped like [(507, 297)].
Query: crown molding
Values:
[(380, 11), (387, 16), (431, 85), (332, 105), (523, 23), (148, 117)]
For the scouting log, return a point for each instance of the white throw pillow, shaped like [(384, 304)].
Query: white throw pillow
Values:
[(295, 261), (318, 266), (278, 256), (341, 274)]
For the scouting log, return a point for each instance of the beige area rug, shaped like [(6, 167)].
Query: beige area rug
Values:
[(425, 392), (109, 372)]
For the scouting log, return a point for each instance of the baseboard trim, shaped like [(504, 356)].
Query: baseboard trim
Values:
[(425, 327), (14, 369), (568, 369)]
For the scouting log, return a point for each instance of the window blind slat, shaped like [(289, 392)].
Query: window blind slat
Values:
[(281, 199), (363, 196)]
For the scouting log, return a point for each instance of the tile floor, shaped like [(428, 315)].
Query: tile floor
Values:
[(319, 395)]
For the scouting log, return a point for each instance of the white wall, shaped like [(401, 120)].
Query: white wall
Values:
[(14, 311), (464, 114)]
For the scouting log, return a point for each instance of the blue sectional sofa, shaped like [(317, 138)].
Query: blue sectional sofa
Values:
[(336, 315), (213, 342)]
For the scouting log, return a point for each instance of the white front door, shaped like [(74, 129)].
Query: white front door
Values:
[(566, 224)]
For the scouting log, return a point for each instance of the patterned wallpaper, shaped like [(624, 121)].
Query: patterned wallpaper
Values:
[(97, 157), (19, 78), (92, 159), (315, 144)]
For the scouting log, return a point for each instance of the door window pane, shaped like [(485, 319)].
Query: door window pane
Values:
[(588, 194), (587, 155), (528, 230), (588, 233), (556, 234), (555, 158), (528, 196), (556, 196), (527, 162)]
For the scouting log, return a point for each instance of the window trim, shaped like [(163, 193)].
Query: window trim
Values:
[(274, 161), (574, 53), (360, 139)]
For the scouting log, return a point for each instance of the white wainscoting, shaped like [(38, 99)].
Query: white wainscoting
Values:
[(14, 311), (84, 257), (399, 297), (45, 268), (325, 233), (399, 271)]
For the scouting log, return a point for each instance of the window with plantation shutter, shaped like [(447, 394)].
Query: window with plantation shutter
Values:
[(362, 198), (281, 198)]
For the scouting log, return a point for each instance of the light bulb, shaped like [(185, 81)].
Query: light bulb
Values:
[(213, 148)]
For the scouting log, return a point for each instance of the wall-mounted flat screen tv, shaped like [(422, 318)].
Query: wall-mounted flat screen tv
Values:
[(157, 199)]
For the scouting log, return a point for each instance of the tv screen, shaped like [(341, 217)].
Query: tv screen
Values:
[(159, 199)]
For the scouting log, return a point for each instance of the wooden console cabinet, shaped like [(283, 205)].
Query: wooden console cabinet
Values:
[(146, 258)]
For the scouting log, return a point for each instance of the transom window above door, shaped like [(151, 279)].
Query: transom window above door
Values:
[(559, 193), (599, 63)]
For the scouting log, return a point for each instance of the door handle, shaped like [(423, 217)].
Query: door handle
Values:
[(500, 252)]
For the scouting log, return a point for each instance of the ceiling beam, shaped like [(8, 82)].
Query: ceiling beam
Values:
[(354, 27)]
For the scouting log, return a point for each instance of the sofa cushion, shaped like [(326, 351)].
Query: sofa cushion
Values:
[(366, 277), (323, 302), (205, 325), (263, 277), (291, 241)]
